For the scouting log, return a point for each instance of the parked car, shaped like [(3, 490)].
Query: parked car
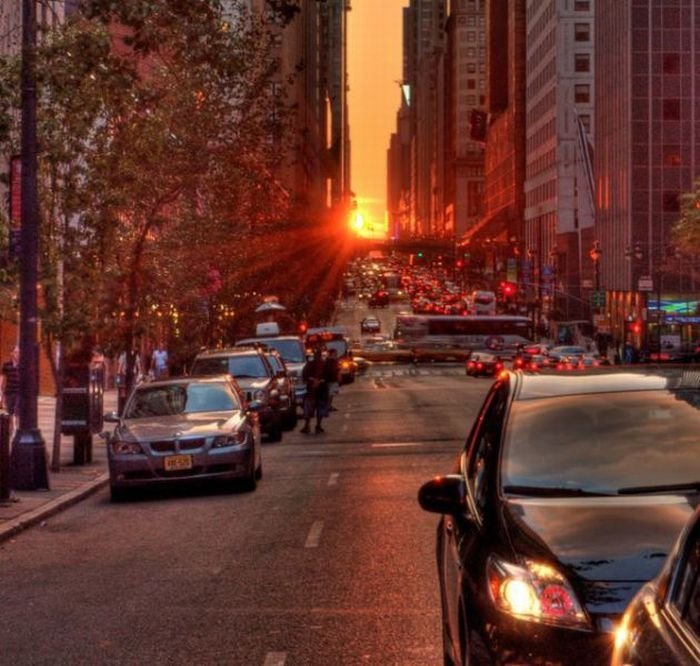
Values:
[(483, 364), (184, 429), (566, 351), (255, 376), (661, 626), (285, 386), (568, 494), (292, 351), (370, 325)]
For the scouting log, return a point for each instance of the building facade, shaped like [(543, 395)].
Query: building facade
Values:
[(647, 153), (560, 92)]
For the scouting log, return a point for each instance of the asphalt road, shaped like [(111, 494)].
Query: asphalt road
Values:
[(330, 562)]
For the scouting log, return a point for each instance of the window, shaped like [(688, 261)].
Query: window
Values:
[(582, 62), (672, 63), (471, 84), (672, 109), (672, 155), (687, 596), (582, 32), (484, 447), (582, 93), (582, 5), (671, 202)]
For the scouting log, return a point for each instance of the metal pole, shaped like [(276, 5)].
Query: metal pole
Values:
[(29, 467)]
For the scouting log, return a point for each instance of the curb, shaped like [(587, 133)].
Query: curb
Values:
[(13, 527)]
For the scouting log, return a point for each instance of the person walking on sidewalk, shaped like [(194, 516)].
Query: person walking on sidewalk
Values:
[(315, 374), (159, 362), (9, 388)]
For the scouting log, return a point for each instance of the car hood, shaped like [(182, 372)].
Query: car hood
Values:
[(610, 545), (198, 424)]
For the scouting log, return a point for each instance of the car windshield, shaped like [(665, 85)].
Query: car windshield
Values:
[(168, 400), (603, 443), (292, 351), (240, 366)]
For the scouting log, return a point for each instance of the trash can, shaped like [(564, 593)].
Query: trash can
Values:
[(83, 402)]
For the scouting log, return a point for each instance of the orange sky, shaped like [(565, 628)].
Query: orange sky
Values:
[(374, 67)]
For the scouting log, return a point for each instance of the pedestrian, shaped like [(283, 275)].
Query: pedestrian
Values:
[(159, 362), (333, 372), (122, 367), (315, 374), (9, 387)]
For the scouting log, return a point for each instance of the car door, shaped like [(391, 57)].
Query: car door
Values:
[(463, 536)]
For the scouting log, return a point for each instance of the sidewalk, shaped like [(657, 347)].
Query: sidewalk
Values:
[(67, 486)]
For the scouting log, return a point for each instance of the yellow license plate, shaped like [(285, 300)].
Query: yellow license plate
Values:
[(177, 463)]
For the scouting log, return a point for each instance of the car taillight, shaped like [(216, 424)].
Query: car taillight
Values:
[(534, 592), (479, 366), (499, 367)]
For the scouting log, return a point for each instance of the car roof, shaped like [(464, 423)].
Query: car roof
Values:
[(232, 351), (605, 379), (263, 339), (187, 379)]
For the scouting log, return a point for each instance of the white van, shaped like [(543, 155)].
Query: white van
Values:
[(482, 302)]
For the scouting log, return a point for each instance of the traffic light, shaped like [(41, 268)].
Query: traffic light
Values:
[(302, 327), (508, 290)]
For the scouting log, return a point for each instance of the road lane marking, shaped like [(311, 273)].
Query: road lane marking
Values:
[(333, 479), (345, 427), (275, 659), (314, 535), (347, 416)]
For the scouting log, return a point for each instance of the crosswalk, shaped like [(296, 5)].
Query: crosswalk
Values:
[(411, 371)]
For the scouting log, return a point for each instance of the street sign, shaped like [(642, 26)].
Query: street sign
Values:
[(598, 299), (645, 283)]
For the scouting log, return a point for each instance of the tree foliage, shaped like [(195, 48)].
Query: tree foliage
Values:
[(159, 128)]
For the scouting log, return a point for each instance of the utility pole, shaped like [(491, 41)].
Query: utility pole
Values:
[(28, 462)]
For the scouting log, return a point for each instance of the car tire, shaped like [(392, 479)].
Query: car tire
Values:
[(274, 435), (250, 483)]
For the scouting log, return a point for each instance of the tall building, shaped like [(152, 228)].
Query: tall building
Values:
[(494, 246), (647, 153), (558, 215), (465, 91), (399, 171), (423, 44)]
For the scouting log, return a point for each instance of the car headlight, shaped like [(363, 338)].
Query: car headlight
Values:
[(260, 395), (122, 447), (535, 592), (233, 439)]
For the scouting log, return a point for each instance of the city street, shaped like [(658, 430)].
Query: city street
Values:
[(330, 561)]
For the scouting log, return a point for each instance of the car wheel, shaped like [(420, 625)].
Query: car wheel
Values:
[(274, 435), (250, 483)]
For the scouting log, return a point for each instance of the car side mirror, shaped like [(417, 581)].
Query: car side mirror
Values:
[(444, 495)]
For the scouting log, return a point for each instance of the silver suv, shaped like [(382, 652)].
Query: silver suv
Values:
[(293, 352), (254, 374)]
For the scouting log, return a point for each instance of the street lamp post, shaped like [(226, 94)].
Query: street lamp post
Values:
[(28, 463)]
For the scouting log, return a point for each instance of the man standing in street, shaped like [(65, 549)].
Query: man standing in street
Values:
[(315, 374), (9, 387)]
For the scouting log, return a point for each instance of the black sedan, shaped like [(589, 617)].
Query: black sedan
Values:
[(483, 364), (662, 624), (568, 495)]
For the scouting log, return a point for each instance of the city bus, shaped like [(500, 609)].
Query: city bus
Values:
[(503, 332)]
